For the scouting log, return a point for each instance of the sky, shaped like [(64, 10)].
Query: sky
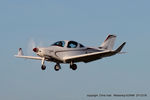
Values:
[(88, 22)]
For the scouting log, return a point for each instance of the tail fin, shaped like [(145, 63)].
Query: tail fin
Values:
[(109, 42)]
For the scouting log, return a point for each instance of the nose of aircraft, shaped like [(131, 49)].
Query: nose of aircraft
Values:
[(35, 49)]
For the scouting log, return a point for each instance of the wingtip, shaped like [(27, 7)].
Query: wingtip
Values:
[(124, 43), (120, 47), (20, 52)]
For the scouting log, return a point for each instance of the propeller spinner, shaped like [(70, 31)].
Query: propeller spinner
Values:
[(36, 50)]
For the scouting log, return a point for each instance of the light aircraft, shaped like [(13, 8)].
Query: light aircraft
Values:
[(72, 52)]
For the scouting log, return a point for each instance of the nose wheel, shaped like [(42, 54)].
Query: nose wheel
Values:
[(73, 66), (43, 67), (57, 67)]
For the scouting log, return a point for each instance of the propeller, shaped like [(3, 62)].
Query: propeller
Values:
[(32, 47)]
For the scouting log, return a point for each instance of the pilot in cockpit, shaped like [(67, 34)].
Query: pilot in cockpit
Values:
[(59, 44)]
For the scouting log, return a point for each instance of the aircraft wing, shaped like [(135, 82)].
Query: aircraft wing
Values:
[(93, 56), (20, 55), (29, 57), (88, 57)]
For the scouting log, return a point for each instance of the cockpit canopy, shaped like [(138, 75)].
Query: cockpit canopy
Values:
[(68, 44), (59, 43)]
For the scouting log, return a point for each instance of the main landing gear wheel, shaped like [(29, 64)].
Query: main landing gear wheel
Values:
[(73, 66), (43, 67), (57, 67)]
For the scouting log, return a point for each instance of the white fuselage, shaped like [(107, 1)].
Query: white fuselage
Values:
[(57, 53)]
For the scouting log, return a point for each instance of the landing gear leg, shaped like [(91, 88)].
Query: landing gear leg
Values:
[(43, 67)]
